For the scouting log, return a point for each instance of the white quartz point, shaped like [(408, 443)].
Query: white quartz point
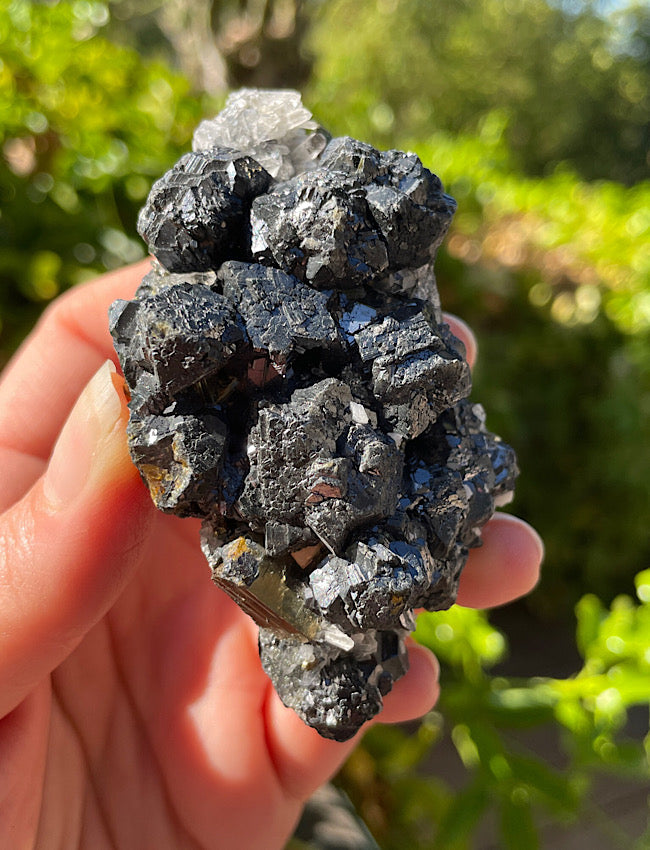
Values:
[(268, 124)]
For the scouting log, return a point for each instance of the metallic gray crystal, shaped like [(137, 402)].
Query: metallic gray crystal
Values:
[(293, 384)]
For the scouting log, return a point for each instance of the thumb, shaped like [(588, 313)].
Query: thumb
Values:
[(70, 545)]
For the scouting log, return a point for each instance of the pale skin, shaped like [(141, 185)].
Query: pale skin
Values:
[(135, 713)]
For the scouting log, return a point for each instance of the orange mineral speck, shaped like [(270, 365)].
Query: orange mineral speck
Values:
[(239, 548)]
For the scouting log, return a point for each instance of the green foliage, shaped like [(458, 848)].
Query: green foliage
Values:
[(573, 403), (588, 242), (484, 715), (85, 126), (571, 87)]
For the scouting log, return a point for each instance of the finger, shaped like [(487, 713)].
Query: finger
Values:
[(203, 710), (415, 693), (304, 760), (505, 567), (43, 381), (68, 547), (463, 331)]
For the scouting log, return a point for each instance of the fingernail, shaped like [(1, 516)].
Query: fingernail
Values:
[(462, 330), (84, 437), (528, 530)]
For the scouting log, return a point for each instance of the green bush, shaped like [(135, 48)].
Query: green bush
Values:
[(573, 87)]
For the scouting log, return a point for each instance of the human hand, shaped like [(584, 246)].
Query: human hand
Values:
[(135, 713)]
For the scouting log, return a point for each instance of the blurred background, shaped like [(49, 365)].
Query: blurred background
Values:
[(536, 116)]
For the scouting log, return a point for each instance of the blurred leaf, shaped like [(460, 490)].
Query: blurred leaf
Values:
[(462, 816), (589, 613), (517, 828), (463, 636), (559, 790)]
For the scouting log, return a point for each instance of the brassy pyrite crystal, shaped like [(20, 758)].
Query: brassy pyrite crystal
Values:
[(292, 383)]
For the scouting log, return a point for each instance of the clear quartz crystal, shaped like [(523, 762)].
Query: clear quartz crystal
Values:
[(271, 125)]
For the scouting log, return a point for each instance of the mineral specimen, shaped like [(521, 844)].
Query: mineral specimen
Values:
[(292, 383)]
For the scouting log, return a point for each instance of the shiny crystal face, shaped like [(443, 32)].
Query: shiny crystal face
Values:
[(293, 384)]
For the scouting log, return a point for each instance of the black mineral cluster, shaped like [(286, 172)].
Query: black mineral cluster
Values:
[(292, 383)]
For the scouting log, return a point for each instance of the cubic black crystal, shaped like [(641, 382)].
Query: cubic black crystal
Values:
[(292, 383)]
